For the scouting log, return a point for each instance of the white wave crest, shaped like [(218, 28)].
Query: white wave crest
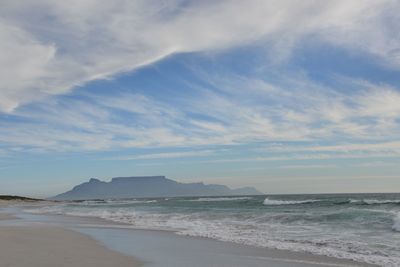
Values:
[(268, 201), (387, 201), (206, 199), (375, 201), (396, 223), (117, 202)]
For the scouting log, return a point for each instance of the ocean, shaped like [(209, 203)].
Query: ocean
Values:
[(361, 227)]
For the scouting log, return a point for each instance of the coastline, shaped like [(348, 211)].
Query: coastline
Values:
[(48, 246), (126, 245), (26, 244)]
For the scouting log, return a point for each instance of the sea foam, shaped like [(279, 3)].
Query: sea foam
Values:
[(396, 223), (268, 201), (375, 201), (209, 199)]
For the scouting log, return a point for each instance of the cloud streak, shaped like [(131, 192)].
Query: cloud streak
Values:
[(298, 110), (167, 155), (50, 47)]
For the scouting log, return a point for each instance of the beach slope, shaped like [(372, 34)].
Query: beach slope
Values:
[(39, 246)]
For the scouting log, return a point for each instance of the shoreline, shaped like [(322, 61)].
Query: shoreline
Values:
[(124, 240), (49, 246)]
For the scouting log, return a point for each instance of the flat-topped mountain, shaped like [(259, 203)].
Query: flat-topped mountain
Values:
[(148, 186)]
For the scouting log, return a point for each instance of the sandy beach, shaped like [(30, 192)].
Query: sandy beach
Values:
[(6, 216), (54, 240), (49, 246)]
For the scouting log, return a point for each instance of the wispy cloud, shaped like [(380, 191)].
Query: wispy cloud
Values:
[(166, 155), (101, 39), (308, 166), (182, 82), (392, 147), (302, 157), (296, 109), (377, 164)]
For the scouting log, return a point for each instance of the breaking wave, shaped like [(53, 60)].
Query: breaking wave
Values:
[(211, 199), (268, 201), (396, 223), (374, 201)]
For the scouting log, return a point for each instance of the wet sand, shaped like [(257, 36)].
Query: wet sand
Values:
[(167, 249), (49, 246), (6, 216)]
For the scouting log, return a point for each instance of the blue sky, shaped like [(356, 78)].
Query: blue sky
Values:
[(289, 97)]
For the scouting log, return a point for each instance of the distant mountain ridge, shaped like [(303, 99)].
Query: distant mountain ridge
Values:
[(148, 186)]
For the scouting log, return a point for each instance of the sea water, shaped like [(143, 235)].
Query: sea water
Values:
[(361, 227)]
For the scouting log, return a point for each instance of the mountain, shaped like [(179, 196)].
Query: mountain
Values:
[(148, 186)]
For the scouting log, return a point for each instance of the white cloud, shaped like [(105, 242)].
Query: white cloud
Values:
[(289, 110), (308, 166), (167, 155), (50, 47), (377, 164), (22, 60), (361, 150)]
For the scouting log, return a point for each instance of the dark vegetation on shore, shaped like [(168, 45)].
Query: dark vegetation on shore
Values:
[(9, 197)]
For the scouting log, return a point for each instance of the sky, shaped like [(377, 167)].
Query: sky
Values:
[(286, 96)]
